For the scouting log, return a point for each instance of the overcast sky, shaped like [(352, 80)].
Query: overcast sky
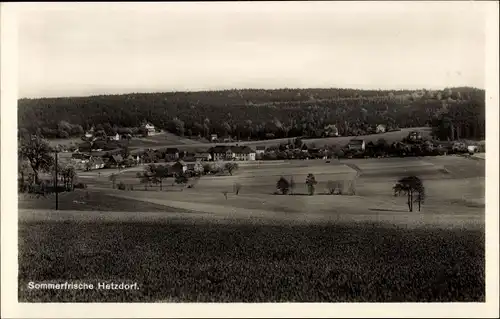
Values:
[(87, 48)]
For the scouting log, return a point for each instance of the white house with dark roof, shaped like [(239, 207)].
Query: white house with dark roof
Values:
[(260, 149), (356, 144), (229, 153)]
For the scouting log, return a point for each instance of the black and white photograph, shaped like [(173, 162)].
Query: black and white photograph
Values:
[(251, 152)]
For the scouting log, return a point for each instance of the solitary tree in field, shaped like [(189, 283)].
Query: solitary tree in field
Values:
[(231, 167), (413, 188), (38, 152), (237, 188), (292, 185), (112, 179), (283, 185), (311, 183), (225, 194)]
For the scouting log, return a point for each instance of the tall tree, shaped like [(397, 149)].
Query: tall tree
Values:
[(311, 183), (283, 185), (413, 188), (38, 152)]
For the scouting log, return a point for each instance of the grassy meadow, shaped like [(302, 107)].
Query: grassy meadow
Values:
[(193, 244)]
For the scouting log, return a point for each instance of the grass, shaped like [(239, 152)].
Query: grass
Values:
[(95, 201), (206, 262)]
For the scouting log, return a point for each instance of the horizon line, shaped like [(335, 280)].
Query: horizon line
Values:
[(246, 89)]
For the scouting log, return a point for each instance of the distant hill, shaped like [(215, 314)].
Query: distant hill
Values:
[(252, 113)]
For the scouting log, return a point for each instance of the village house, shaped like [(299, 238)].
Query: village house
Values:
[(178, 167), (414, 136), (221, 153), (229, 153), (89, 133), (260, 150), (150, 128), (115, 137), (172, 154), (380, 129), (203, 156), (114, 160), (195, 167), (356, 144), (243, 153), (96, 162), (213, 137), (331, 130)]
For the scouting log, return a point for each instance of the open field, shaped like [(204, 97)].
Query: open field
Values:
[(166, 139), (162, 139), (341, 140), (202, 262), (184, 244)]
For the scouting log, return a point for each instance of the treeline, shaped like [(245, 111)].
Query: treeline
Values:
[(254, 114)]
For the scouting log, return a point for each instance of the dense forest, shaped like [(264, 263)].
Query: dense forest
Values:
[(261, 114)]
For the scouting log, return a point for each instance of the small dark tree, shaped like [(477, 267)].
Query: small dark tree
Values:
[(231, 167), (112, 179), (292, 185), (225, 194), (283, 185), (311, 183), (413, 188), (69, 175), (237, 188)]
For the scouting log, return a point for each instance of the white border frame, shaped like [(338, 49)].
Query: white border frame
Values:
[(11, 308)]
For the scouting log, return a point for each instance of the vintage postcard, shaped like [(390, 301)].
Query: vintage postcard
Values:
[(249, 159)]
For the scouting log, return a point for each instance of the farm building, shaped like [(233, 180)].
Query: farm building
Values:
[(150, 128), (380, 129), (202, 156), (115, 137), (356, 144), (114, 160), (80, 157), (179, 167), (196, 167), (243, 153), (414, 136), (172, 153), (304, 148), (213, 137), (96, 162), (228, 153), (331, 130), (260, 150)]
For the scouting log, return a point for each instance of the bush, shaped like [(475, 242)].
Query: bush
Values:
[(122, 186)]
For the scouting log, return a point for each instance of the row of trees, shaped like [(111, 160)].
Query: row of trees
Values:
[(248, 114), (295, 149), (158, 174)]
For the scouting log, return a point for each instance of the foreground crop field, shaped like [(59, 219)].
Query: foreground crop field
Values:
[(241, 262), (183, 244)]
